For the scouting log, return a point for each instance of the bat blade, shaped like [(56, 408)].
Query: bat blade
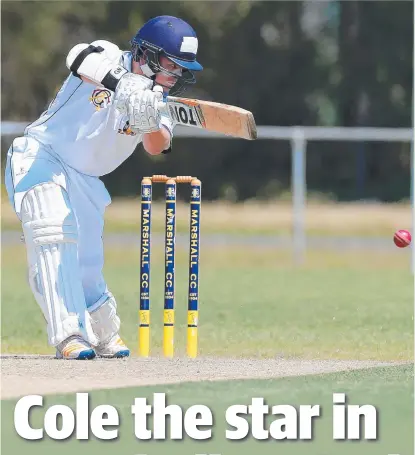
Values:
[(211, 116)]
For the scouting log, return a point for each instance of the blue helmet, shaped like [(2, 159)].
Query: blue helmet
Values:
[(170, 37)]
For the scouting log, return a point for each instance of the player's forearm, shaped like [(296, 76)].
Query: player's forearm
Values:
[(154, 143)]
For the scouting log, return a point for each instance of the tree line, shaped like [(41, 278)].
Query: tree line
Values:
[(332, 63)]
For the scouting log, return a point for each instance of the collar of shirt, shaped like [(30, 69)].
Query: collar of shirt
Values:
[(126, 60)]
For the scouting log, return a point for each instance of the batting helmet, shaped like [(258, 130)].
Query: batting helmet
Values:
[(173, 38)]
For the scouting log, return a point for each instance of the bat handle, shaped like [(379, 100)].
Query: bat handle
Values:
[(162, 107)]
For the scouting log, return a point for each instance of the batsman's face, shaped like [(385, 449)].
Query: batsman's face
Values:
[(166, 80)]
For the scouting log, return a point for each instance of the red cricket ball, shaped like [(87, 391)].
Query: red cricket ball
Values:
[(402, 238)]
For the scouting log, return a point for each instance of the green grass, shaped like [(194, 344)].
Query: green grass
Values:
[(390, 390), (253, 302)]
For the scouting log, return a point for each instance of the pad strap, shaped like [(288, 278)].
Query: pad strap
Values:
[(112, 78), (91, 68), (81, 57)]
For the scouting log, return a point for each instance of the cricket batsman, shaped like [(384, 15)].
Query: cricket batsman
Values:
[(107, 105)]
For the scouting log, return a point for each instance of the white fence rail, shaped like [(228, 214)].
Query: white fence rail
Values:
[(298, 137)]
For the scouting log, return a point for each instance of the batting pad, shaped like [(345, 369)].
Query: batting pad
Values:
[(105, 320), (51, 237)]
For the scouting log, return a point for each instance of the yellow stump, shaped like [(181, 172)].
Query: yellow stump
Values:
[(144, 311), (168, 333), (144, 333), (192, 328)]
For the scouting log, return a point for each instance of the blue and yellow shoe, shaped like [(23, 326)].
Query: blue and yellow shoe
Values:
[(115, 348), (75, 348)]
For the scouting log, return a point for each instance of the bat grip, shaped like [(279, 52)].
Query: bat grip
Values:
[(162, 107)]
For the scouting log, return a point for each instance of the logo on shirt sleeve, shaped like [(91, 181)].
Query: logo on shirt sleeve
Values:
[(100, 98)]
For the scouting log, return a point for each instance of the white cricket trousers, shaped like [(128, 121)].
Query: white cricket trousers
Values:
[(30, 163)]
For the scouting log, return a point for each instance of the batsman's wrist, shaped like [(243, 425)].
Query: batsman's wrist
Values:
[(113, 77)]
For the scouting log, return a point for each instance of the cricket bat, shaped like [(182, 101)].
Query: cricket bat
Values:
[(216, 117)]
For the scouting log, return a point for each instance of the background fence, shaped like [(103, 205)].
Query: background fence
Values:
[(298, 138)]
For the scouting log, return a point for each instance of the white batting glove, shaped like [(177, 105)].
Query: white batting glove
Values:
[(143, 112), (127, 85)]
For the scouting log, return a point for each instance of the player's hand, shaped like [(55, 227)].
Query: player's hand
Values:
[(129, 84), (143, 112)]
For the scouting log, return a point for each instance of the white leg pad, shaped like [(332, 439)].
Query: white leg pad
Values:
[(51, 237), (105, 320)]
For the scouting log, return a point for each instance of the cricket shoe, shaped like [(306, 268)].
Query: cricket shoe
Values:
[(114, 348), (74, 348)]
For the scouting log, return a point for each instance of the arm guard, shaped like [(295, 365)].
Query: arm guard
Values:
[(96, 63)]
